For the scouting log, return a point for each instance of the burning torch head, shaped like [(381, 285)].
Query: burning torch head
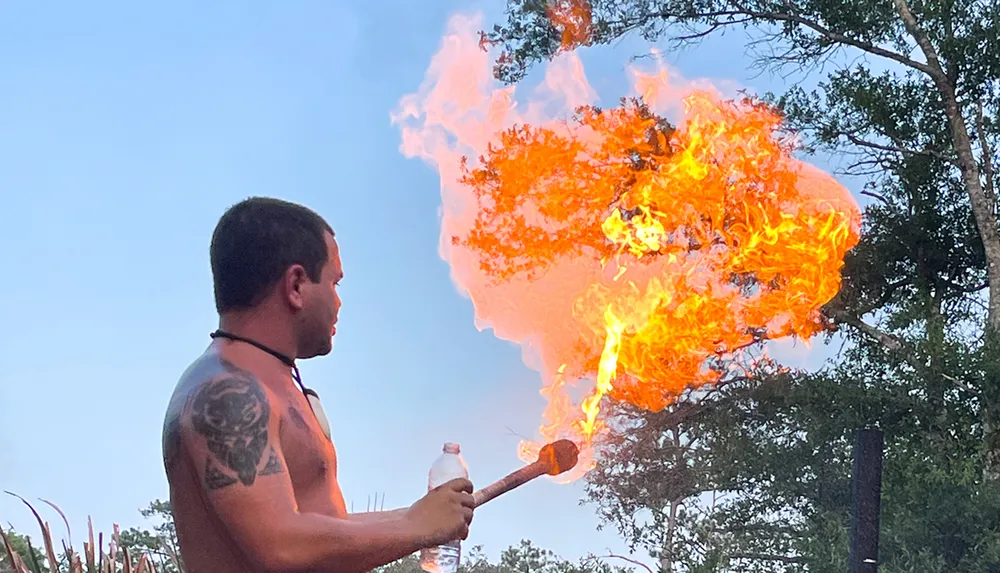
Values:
[(559, 456)]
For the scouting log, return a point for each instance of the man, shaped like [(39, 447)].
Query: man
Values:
[(253, 477)]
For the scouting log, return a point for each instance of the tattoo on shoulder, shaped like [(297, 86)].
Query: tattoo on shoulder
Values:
[(216, 478), (273, 465), (232, 413)]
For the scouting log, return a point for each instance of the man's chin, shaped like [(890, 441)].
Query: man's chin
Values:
[(320, 351)]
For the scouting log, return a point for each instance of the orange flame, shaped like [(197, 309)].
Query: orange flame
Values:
[(614, 246), (573, 19)]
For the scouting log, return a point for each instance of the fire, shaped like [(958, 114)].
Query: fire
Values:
[(606, 371), (617, 247)]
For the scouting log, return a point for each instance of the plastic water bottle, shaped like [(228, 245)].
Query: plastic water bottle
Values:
[(449, 465)]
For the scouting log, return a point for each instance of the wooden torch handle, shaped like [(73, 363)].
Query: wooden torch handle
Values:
[(510, 481)]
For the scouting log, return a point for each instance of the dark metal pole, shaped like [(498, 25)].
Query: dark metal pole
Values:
[(867, 494)]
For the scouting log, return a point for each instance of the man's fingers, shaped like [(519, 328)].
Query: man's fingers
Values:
[(455, 485), (468, 500), (468, 513), (460, 484)]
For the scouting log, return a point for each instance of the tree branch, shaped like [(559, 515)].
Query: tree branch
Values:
[(877, 196), (687, 410), (889, 290), (814, 26), (933, 67), (897, 345), (987, 154), (898, 149), (967, 289), (623, 558)]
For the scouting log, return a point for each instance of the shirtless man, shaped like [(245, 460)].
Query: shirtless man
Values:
[(252, 473)]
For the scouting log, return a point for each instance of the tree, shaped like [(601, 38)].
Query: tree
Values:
[(655, 480), (918, 311), (160, 543), (776, 449), (935, 107)]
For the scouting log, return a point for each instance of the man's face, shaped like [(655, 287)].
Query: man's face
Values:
[(319, 317)]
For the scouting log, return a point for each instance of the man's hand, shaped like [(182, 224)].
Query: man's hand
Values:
[(444, 514)]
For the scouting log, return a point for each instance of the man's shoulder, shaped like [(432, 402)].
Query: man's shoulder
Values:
[(210, 388), (209, 375)]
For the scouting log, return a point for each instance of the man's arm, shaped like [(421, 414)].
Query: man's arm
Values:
[(378, 516), (231, 434)]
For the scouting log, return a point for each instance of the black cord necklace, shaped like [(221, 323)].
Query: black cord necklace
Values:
[(286, 360), (312, 398)]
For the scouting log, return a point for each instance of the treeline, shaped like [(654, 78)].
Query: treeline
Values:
[(157, 547)]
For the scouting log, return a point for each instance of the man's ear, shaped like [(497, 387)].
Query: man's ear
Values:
[(293, 284)]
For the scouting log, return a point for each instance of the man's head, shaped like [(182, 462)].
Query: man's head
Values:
[(275, 254)]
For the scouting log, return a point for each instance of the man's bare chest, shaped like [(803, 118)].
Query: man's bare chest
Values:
[(310, 456)]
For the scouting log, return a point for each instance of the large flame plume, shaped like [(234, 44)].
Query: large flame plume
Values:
[(630, 253)]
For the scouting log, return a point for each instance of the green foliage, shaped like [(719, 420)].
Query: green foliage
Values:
[(27, 550), (777, 448), (522, 558), (791, 33), (160, 543)]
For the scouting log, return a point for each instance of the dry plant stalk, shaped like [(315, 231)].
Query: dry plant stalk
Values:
[(97, 561)]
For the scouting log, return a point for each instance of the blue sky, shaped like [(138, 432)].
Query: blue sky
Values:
[(126, 130)]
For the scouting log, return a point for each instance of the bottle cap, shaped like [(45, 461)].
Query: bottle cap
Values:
[(450, 448)]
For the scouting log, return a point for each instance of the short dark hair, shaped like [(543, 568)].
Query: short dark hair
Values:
[(254, 243)]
